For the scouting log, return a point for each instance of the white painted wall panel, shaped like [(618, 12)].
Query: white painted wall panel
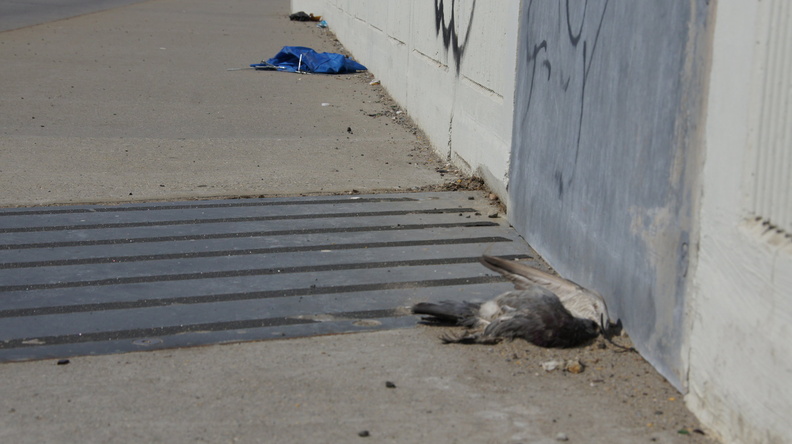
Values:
[(769, 188), (399, 26), (430, 97), (424, 38), (740, 377), (486, 58)]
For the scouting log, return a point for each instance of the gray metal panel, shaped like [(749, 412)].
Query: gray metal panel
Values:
[(105, 279), (604, 154)]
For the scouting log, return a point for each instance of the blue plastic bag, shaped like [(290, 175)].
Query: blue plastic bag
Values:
[(288, 59)]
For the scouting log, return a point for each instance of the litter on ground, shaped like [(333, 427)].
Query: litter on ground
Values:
[(306, 60)]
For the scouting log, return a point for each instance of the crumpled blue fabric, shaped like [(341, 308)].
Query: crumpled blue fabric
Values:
[(288, 59)]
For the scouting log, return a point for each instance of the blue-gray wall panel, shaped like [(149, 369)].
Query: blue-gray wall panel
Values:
[(604, 165)]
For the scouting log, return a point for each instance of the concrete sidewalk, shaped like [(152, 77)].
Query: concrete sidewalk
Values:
[(136, 103)]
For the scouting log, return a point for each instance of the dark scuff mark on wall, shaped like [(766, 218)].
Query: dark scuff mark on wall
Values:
[(531, 61), (565, 174), (587, 60)]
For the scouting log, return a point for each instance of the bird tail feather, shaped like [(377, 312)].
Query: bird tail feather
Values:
[(455, 312)]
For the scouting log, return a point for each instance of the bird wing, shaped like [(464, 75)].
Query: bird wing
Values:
[(538, 320), (525, 325), (580, 301), (522, 299), (524, 277)]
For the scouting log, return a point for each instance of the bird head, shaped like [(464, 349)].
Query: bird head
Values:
[(603, 319), (590, 329)]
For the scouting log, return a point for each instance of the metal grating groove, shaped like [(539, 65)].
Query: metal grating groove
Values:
[(108, 279)]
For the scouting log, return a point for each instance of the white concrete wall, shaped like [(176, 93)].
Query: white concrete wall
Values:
[(740, 378), (449, 63)]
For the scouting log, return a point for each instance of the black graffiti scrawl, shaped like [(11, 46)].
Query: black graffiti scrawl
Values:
[(448, 29), (560, 55)]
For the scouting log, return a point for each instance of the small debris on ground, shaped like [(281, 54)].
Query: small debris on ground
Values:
[(463, 184), (553, 365), (301, 16), (570, 365), (574, 366)]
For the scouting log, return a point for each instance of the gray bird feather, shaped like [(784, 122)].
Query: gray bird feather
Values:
[(534, 314), (581, 302)]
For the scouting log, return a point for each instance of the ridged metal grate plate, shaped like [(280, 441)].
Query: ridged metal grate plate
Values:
[(84, 280)]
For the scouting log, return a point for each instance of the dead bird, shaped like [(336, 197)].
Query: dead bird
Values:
[(579, 301), (534, 314)]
